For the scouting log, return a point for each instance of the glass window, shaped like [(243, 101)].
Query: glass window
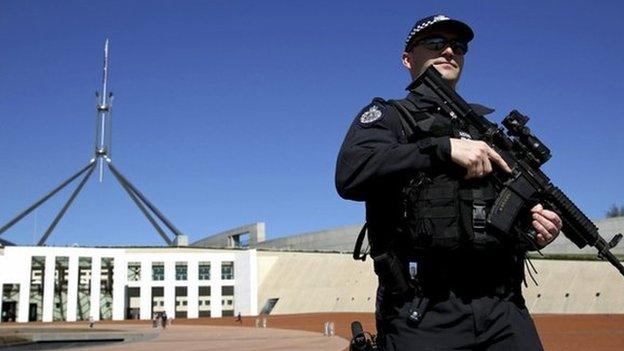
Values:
[(158, 271), (181, 270), (83, 303), (37, 270), (204, 270), (134, 271), (61, 273), (227, 270), (107, 272)]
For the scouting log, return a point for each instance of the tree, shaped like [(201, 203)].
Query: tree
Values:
[(615, 211)]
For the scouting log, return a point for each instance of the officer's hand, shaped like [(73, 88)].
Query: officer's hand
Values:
[(547, 225), (476, 157)]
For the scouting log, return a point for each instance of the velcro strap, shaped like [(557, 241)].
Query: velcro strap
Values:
[(438, 212), (438, 193), (486, 193)]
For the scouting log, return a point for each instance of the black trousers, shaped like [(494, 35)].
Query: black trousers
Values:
[(478, 323)]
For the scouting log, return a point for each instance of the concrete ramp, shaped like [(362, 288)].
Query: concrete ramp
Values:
[(575, 287), (326, 282), (316, 282)]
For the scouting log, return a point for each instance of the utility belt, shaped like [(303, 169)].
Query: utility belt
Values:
[(440, 276)]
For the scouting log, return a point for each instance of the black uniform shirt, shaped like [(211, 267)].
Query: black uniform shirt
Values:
[(376, 159), (375, 153)]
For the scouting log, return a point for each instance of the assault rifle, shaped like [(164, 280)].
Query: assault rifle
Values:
[(527, 185)]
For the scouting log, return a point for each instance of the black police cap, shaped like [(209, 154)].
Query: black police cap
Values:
[(434, 22)]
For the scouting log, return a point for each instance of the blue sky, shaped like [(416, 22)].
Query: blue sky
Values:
[(231, 112)]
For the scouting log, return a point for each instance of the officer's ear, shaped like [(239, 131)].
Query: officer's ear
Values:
[(407, 60)]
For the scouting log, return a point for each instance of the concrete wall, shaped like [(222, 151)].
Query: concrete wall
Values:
[(607, 228), (339, 239), (256, 233), (303, 282), (315, 282), (329, 282), (575, 287), (342, 239)]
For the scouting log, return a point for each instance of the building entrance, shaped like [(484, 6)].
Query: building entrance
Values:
[(32, 312), (133, 303), (9, 311), (10, 300)]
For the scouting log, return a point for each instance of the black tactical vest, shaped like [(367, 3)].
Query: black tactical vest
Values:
[(442, 210)]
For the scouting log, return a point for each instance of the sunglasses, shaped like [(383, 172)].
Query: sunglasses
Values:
[(440, 43)]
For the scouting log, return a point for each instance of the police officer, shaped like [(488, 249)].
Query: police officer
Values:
[(446, 282)]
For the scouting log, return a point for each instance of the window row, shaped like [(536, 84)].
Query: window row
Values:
[(181, 271)]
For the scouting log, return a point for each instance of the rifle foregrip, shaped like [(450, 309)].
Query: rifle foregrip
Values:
[(576, 226)]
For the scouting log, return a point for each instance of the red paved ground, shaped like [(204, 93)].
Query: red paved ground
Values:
[(581, 332), (558, 332)]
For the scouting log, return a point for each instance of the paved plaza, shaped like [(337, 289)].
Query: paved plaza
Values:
[(304, 332), (204, 338)]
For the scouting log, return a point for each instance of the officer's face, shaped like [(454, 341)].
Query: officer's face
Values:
[(447, 61)]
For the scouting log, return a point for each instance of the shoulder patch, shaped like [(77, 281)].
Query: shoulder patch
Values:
[(373, 113)]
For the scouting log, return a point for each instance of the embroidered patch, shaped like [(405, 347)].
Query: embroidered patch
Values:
[(371, 115)]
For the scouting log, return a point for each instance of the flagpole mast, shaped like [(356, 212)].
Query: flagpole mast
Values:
[(104, 102), (103, 118)]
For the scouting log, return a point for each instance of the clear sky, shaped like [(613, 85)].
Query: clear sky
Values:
[(231, 112)]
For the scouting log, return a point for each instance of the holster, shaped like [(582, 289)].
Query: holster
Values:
[(391, 275)]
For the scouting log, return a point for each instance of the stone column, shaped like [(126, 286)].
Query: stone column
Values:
[(169, 287), (96, 272), (120, 275), (72, 288), (215, 288), (192, 290), (146, 289), (48, 288)]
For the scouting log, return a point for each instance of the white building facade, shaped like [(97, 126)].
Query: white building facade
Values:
[(74, 283)]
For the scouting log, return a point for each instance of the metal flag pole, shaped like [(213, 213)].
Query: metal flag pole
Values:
[(141, 207), (103, 117), (103, 121), (24, 213), (65, 207), (143, 199)]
